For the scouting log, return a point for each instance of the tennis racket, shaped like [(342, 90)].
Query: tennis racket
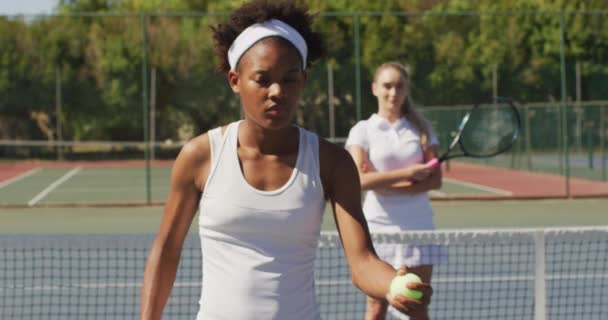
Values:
[(488, 129)]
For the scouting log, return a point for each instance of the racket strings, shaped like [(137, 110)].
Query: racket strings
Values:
[(490, 129)]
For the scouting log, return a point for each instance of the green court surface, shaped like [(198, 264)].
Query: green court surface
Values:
[(78, 185), (84, 185), (449, 215)]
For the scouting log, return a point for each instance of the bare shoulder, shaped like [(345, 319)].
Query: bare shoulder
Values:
[(195, 151), (193, 162), (198, 149), (335, 162), (331, 154)]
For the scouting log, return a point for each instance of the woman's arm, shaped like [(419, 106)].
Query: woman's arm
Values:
[(371, 179), (179, 211), (432, 182), (369, 273)]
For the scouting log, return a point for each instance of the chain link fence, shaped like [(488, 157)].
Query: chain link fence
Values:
[(137, 86)]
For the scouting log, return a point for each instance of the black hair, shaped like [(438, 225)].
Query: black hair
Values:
[(259, 11)]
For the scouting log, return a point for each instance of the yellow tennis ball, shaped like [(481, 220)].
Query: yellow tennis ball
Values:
[(399, 286)]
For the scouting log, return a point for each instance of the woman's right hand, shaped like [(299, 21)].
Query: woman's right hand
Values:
[(418, 172), (415, 309)]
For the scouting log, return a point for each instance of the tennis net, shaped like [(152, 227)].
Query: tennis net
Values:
[(488, 274)]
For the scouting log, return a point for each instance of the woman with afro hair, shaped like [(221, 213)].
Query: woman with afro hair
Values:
[(260, 186)]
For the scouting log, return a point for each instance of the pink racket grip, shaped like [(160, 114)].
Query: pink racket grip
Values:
[(433, 163)]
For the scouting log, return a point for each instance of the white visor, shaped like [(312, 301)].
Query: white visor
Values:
[(259, 31)]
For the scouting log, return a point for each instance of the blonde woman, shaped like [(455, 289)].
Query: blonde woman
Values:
[(390, 150)]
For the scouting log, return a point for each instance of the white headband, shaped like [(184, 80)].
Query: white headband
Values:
[(259, 31)]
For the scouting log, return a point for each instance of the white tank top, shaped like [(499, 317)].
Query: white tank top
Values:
[(259, 246)]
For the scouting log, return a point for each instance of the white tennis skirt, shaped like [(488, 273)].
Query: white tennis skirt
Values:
[(411, 255)]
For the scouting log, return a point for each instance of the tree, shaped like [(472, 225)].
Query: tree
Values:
[(452, 49)]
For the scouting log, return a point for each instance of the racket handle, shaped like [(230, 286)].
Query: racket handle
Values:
[(433, 163)]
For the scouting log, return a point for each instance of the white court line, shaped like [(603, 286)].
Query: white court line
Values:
[(110, 285), (553, 277), (19, 177), (436, 193), (479, 187), (53, 186), (335, 282)]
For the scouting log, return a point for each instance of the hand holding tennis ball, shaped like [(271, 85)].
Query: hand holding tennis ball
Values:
[(399, 286)]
